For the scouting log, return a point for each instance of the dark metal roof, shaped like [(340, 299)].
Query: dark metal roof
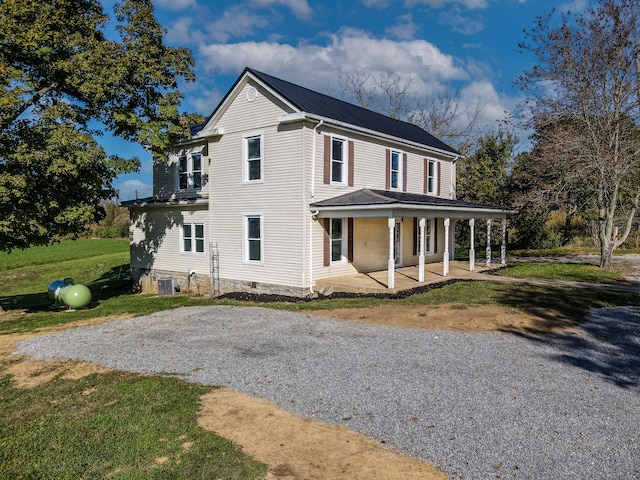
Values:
[(383, 197), (315, 103), (325, 106)]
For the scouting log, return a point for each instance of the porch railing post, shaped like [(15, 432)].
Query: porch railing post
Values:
[(472, 249), (488, 243), (392, 261), (447, 223), (422, 224)]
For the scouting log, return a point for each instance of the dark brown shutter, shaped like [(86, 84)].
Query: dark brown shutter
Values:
[(327, 159), (351, 163), (350, 240), (415, 236), (435, 235), (327, 242), (426, 176), (404, 172), (439, 178), (387, 170)]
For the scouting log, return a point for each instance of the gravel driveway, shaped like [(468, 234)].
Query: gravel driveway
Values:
[(478, 406)]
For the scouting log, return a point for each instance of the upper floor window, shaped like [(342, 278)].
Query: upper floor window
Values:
[(338, 160), (432, 177), (190, 171), (253, 157), (193, 238), (395, 170)]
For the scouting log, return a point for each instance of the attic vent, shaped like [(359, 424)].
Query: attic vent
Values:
[(252, 93)]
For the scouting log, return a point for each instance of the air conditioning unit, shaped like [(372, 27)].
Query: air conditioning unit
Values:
[(167, 286)]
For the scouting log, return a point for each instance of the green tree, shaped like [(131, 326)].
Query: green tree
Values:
[(484, 175), (586, 77), (69, 72)]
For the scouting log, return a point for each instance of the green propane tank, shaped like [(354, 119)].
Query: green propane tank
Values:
[(73, 295)]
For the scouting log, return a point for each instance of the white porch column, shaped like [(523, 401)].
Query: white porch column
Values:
[(503, 248), (392, 261), (445, 268), (488, 242), (422, 224), (472, 249)]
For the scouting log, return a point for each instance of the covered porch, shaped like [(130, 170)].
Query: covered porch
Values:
[(405, 278), (425, 210)]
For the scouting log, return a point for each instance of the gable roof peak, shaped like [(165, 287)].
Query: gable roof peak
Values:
[(321, 105)]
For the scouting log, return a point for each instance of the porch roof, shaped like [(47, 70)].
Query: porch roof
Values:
[(383, 203)]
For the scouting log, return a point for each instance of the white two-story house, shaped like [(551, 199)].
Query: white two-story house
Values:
[(283, 187)]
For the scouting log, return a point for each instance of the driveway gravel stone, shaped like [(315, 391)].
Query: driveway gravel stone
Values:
[(479, 406)]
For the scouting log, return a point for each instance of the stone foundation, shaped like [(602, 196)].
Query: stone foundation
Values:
[(146, 281)]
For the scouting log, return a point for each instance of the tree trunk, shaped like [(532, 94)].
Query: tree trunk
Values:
[(606, 253)]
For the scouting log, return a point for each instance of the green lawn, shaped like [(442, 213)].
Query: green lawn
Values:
[(577, 272), (117, 425), (113, 425)]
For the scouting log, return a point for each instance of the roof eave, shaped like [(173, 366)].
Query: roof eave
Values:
[(397, 209), (156, 203)]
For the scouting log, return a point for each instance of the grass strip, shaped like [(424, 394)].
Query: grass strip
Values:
[(576, 272), (113, 425), (63, 251)]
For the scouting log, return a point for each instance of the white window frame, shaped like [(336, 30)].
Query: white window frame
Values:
[(343, 239), (193, 238), (345, 160), (245, 156), (432, 177), (429, 238), (398, 171), (189, 172), (247, 241)]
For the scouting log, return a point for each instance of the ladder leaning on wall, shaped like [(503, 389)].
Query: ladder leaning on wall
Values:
[(214, 273)]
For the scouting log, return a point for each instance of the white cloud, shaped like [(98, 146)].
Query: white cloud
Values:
[(575, 6), (319, 66), (132, 189), (470, 4), (462, 23), (181, 32), (175, 4), (482, 94), (300, 8), (376, 3), (404, 28), (236, 22)]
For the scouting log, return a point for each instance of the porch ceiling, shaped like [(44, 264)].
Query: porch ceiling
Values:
[(382, 203)]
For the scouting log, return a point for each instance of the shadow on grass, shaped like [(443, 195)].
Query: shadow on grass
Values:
[(112, 283), (605, 339)]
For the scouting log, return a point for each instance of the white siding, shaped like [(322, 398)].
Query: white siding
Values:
[(165, 175), (156, 240), (279, 198)]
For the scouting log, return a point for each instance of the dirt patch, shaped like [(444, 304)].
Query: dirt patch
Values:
[(454, 316), (296, 448)]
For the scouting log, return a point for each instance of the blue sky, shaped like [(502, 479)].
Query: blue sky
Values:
[(466, 45)]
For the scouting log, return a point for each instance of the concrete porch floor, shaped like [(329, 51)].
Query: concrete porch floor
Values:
[(406, 278)]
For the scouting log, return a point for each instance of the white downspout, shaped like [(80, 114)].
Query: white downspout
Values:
[(313, 214)]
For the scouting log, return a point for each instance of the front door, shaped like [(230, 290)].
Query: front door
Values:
[(397, 245)]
